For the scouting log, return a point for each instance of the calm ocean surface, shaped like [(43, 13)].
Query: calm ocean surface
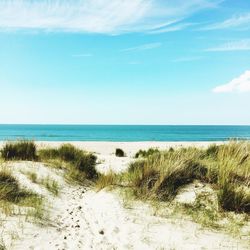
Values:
[(122, 133)]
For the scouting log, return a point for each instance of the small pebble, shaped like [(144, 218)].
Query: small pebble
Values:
[(101, 232)]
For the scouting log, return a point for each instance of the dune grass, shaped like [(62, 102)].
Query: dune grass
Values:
[(146, 153), (108, 179), (10, 189), (32, 176), (160, 175), (119, 152), (80, 165), (234, 177), (223, 172), (50, 184), (12, 195), (2, 247), (21, 150)]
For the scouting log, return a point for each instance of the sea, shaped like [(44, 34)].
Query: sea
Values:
[(123, 133)]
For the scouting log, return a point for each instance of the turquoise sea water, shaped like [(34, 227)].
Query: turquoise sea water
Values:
[(122, 133)]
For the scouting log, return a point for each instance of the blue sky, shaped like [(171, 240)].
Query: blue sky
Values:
[(125, 62)]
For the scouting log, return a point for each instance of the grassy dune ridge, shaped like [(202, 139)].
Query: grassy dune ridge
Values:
[(21, 150), (160, 174), (153, 175), (13, 195), (78, 161), (79, 166)]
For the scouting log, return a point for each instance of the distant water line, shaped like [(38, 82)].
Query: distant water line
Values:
[(123, 133)]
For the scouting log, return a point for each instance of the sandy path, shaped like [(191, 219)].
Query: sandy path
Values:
[(83, 219)]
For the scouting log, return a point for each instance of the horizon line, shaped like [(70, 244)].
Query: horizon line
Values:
[(98, 124)]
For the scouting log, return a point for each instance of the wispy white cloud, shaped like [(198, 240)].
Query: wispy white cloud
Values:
[(171, 28), (147, 46), (242, 21), (98, 16), (232, 46), (239, 84), (82, 55)]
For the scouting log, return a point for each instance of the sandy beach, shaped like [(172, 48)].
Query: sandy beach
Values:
[(81, 218), (130, 148)]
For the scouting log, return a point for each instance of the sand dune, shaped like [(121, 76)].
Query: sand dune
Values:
[(81, 218)]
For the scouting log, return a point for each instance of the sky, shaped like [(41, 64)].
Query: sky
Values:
[(125, 62)]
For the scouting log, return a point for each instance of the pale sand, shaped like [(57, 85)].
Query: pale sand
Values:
[(81, 218)]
